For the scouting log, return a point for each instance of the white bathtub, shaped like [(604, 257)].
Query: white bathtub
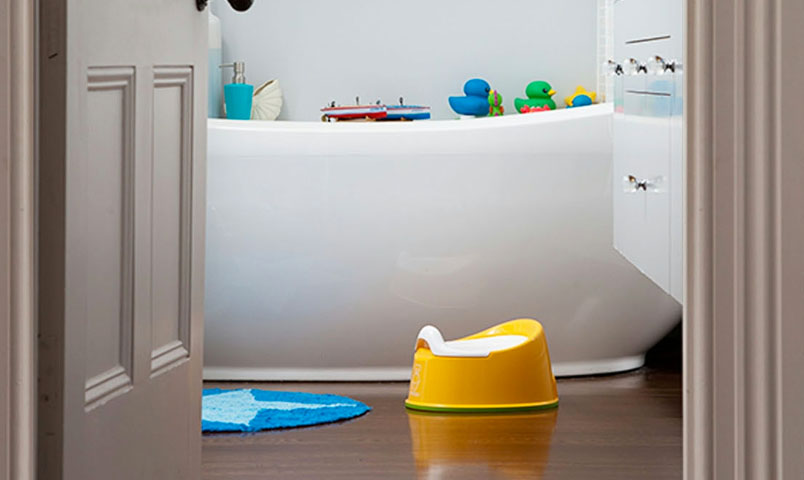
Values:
[(330, 245)]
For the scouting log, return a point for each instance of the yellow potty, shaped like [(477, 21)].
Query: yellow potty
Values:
[(506, 367)]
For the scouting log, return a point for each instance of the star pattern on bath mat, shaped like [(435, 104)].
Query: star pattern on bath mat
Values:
[(240, 406)]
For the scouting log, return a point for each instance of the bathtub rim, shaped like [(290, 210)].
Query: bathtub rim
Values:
[(560, 115)]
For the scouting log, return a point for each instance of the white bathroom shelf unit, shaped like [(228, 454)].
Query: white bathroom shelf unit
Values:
[(648, 143)]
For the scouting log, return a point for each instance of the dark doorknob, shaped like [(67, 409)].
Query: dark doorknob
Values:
[(239, 5)]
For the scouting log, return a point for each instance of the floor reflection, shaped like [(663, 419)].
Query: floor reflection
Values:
[(515, 445)]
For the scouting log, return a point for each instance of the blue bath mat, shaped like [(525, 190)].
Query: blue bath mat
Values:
[(252, 410)]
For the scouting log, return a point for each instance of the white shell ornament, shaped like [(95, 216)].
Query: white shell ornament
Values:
[(267, 102)]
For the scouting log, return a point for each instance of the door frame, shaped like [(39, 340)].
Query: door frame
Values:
[(743, 416), (17, 241)]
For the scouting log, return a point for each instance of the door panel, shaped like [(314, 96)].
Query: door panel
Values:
[(101, 202), (122, 200), (172, 216)]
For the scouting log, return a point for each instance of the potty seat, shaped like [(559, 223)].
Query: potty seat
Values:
[(506, 367)]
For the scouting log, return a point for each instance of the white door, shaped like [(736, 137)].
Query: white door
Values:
[(122, 176)]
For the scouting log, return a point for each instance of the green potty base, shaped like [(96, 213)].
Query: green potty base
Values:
[(437, 409)]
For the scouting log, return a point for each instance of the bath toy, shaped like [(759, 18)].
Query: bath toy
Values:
[(476, 101), (267, 101), (539, 94), (376, 111), (580, 98), (495, 104), (408, 112), (404, 112), (335, 113), (506, 367), (527, 109)]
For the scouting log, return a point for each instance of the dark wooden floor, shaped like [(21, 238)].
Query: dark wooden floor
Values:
[(618, 427)]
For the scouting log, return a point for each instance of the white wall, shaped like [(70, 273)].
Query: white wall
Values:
[(424, 50)]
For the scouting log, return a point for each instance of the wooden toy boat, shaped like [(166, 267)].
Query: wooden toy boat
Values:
[(377, 111), (408, 112), (354, 112)]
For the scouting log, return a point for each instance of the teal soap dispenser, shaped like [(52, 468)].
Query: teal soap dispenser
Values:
[(238, 95)]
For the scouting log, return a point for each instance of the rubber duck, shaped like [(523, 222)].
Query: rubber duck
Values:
[(496, 108), (527, 109), (539, 94), (580, 98), (476, 101)]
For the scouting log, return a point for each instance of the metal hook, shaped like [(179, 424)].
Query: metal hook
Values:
[(635, 67), (638, 184), (660, 65), (614, 67)]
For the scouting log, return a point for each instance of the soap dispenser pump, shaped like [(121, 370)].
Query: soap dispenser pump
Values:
[(238, 95)]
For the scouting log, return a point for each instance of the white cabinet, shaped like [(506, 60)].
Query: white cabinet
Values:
[(648, 157), (648, 27)]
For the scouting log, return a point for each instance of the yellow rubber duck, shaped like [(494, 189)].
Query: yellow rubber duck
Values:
[(580, 98)]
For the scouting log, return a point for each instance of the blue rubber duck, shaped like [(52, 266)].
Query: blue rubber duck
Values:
[(476, 101)]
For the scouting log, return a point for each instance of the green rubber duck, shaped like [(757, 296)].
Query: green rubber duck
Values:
[(539, 94)]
